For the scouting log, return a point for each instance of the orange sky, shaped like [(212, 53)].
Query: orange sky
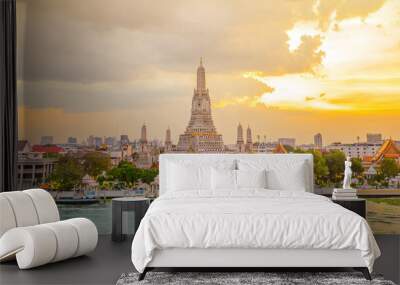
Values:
[(287, 68)]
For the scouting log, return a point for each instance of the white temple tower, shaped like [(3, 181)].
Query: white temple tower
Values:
[(144, 159), (168, 142), (240, 141), (143, 135), (249, 140), (201, 134)]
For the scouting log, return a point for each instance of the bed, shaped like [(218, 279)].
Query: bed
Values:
[(245, 211)]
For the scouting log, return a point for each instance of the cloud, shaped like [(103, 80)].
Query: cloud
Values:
[(97, 60), (330, 11)]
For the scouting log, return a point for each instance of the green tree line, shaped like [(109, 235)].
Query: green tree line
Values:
[(70, 170), (329, 169)]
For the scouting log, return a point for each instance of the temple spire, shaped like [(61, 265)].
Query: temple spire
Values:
[(201, 76)]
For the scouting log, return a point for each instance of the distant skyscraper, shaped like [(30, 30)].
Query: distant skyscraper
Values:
[(124, 139), (249, 140), (46, 140), (168, 142), (201, 134), (90, 140), (143, 135), (240, 141), (72, 140), (98, 141), (318, 140), (374, 138), (110, 141), (287, 141)]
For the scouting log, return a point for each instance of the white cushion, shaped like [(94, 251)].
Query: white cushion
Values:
[(7, 218), (87, 233), (182, 177), (40, 244), (251, 178), (292, 178), (180, 173), (23, 208), (67, 240), (34, 244), (223, 179), (287, 175), (46, 208)]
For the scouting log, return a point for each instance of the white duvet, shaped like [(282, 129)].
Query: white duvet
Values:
[(250, 219)]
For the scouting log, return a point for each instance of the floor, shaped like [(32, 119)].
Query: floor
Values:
[(110, 260), (103, 266)]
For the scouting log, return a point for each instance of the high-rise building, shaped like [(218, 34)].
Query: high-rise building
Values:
[(98, 141), (124, 139), (143, 134), (240, 141), (374, 138), (359, 150), (287, 141), (72, 140), (201, 134), (90, 140), (110, 141), (318, 140), (168, 142), (45, 140)]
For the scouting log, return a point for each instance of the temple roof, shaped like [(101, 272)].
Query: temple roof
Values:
[(387, 150), (280, 149), (47, 148)]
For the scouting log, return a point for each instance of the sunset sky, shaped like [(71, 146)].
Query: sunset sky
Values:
[(286, 68)]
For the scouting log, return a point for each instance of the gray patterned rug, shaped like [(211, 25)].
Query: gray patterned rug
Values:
[(229, 278)]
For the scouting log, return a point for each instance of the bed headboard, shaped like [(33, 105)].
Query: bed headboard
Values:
[(211, 158)]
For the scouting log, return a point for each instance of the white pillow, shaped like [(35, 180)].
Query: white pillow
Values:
[(291, 178), (251, 178), (281, 174), (181, 177), (223, 179)]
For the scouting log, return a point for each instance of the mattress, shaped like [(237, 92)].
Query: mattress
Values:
[(250, 219)]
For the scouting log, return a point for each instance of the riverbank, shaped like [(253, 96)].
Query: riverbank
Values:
[(99, 194), (363, 193), (383, 215)]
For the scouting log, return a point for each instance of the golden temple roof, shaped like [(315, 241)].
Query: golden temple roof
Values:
[(388, 150), (280, 149)]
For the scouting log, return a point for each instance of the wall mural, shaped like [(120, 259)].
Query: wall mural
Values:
[(104, 87)]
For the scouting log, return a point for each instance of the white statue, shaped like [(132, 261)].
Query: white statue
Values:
[(347, 174)]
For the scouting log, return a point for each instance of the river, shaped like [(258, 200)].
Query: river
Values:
[(383, 215)]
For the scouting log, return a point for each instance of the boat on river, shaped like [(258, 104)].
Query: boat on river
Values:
[(88, 197)]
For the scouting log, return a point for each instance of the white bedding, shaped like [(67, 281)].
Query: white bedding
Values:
[(251, 218)]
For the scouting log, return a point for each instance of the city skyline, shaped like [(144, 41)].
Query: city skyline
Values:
[(255, 138), (333, 70)]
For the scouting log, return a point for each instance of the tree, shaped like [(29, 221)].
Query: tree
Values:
[(321, 170), (356, 167), (67, 173), (389, 168), (148, 175), (335, 162), (129, 174), (124, 172), (96, 162)]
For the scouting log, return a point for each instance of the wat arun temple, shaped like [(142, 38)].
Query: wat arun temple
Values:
[(201, 134)]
